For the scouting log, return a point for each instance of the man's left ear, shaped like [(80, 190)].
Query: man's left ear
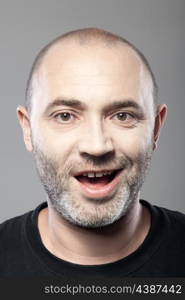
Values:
[(159, 122)]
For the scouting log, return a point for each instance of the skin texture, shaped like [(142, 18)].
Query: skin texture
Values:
[(75, 227)]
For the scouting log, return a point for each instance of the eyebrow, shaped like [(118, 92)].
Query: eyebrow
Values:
[(117, 104), (66, 102)]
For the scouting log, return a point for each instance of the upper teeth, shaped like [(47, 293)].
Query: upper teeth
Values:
[(98, 174)]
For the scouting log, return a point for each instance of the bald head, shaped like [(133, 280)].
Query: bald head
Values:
[(90, 37)]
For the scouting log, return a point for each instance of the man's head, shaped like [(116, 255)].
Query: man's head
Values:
[(88, 36), (92, 122)]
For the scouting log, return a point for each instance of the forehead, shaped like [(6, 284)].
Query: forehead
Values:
[(89, 73)]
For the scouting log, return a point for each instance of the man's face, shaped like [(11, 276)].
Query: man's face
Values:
[(92, 128)]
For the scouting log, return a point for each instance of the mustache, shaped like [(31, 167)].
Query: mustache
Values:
[(52, 166), (95, 163)]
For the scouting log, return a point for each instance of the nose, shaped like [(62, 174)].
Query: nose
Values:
[(95, 141)]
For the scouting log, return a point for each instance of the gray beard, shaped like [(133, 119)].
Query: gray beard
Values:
[(105, 211)]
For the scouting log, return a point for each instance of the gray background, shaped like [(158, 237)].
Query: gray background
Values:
[(156, 27)]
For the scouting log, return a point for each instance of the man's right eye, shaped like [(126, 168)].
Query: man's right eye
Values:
[(64, 117)]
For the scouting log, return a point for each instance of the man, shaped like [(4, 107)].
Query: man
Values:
[(92, 122)]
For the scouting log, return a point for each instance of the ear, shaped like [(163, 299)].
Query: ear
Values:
[(24, 121), (159, 122)]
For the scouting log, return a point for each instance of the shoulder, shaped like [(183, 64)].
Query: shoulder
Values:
[(16, 224), (12, 231), (172, 220), (176, 218), (174, 227), (12, 241), (11, 228), (173, 215)]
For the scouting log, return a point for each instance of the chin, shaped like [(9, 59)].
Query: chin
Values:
[(93, 215)]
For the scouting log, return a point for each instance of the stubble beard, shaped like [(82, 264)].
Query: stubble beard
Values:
[(100, 212)]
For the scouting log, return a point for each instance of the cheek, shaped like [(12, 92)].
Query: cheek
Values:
[(53, 143), (133, 141)]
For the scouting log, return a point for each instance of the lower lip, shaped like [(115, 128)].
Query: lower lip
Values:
[(103, 191)]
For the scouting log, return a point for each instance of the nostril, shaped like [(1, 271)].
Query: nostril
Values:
[(95, 146)]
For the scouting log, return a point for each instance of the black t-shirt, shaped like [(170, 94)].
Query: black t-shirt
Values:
[(162, 254)]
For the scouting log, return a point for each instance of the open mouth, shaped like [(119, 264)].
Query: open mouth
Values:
[(97, 179), (98, 185)]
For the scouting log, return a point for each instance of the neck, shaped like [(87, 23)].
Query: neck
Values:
[(94, 246)]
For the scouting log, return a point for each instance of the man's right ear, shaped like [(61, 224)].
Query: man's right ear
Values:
[(24, 121)]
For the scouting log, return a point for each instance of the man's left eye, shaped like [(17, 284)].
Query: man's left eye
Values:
[(123, 116)]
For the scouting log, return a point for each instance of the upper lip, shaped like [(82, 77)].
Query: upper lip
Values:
[(95, 171)]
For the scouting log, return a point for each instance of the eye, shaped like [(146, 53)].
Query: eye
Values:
[(124, 117), (64, 117)]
